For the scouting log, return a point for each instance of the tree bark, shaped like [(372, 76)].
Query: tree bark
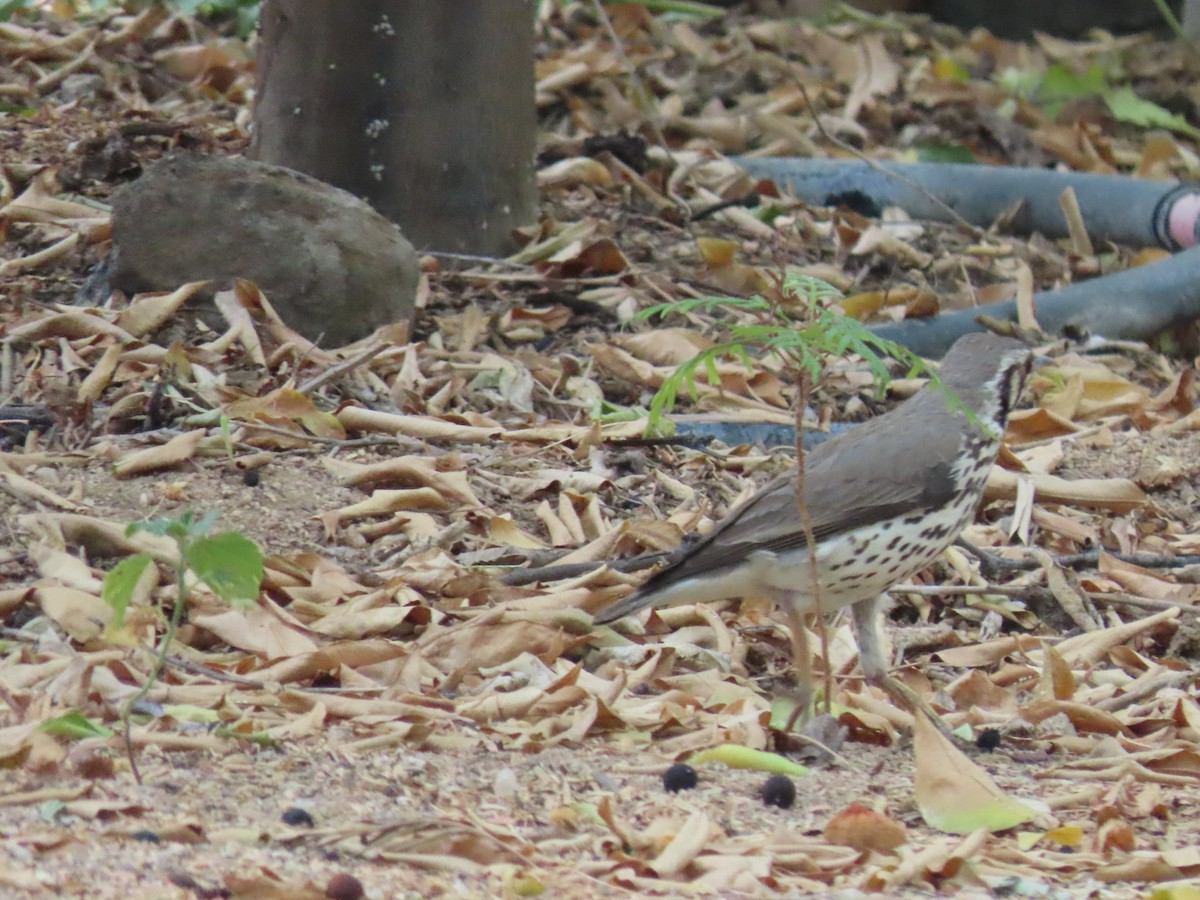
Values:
[(424, 108)]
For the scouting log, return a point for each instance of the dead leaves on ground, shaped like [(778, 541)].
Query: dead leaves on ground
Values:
[(493, 441)]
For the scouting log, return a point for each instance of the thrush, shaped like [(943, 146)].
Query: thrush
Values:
[(884, 499)]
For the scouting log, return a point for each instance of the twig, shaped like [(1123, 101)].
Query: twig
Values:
[(992, 565), (750, 199), (977, 233), (1081, 243), (690, 441), (342, 368), (805, 391), (332, 442), (1122, 599), (1148, 688), (824, 748), (1169, 17), (16, 634), (476, 258), (195, 668), (6, 371), (1037, 592), (638, 84), (54, 79), (160, 660)]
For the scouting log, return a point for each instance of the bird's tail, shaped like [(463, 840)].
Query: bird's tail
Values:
[(639, 599), (666, 588)]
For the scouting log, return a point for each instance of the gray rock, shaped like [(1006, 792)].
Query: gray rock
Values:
[(328, 263)]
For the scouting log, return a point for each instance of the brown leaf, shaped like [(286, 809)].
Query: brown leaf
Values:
[(179, 449), (864, 829)]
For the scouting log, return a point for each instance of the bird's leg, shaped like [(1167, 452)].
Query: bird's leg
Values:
[(867, 614), (802, 662)]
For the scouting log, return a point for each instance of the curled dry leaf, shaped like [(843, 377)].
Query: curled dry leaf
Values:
[(865, 829), (1115, 494), (179, 449), (955, 795)]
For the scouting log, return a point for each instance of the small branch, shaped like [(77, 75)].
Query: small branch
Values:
[(16, 634), (342, 368), (160, 660), (1149, 688), (976, 233), (688, 441), (377, 441), (1037, 592), (805, 393), (992, 565), (186, 665)]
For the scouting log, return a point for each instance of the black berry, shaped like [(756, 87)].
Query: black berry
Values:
[(344, 887), (680, 777), (297, 817), (250, 478), (987, 740), (778, 790)]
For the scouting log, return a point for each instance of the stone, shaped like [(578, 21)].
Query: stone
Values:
[(329, 264)]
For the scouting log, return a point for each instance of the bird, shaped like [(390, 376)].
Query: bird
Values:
[(884, 499)]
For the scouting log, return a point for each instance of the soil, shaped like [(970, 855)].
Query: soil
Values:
[(448, 731)]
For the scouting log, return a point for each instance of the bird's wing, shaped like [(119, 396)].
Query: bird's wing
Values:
[(874, 472)]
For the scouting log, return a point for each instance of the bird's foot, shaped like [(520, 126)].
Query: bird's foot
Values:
[(802, 710)]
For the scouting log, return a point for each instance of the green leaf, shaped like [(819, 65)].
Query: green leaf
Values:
[(606, 412), (229, 563), (1126, 106), (75, 725), (120, 582), (738, 757), (9, 8), (1062, 83), (162, 527), (1176, 892), (181, 529), (254, 737), (187, 712), (681, 7), (945, 153), (955, 795)]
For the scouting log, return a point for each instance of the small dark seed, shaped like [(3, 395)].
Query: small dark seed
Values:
[(297, 817), (779, 790), (987, 740), (680, 777), (148, 837), (344, 887), (250, 478)]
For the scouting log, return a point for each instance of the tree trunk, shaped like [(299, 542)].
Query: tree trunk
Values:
[(424, 108)]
